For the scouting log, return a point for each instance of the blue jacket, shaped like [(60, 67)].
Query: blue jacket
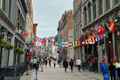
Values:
[(105, 71)]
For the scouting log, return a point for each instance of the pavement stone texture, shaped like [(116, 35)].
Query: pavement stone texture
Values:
[(51, 73)]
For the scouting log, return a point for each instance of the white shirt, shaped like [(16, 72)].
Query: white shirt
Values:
[(117, 65), (78, 62)]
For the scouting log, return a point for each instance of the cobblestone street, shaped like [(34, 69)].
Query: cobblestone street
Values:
[(58, 74)]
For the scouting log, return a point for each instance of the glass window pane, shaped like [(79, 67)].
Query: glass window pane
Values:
[(85, 16), (100, 6), (107, 4), (89, 11), (3, 4), (0, 3), (9, 8), (94, 9), (115, 2)]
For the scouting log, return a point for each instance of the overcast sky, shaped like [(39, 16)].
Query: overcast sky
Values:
[(47, 14)]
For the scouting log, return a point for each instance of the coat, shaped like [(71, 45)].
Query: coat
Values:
[(65, 64), (105, 71)]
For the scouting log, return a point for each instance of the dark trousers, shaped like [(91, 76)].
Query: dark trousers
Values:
[(71, 67), (79, 67), (118, 73), (65, 69), (112, 76)]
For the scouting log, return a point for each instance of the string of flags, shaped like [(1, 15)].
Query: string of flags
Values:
[(102, 32)]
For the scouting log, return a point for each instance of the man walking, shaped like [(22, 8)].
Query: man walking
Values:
[(71, 63), (65, 64)]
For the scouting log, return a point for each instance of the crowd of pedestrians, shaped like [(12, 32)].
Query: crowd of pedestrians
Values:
[(110, 71), (71, 63)]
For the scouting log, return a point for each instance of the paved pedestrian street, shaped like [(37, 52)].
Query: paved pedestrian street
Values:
[(58, 74)]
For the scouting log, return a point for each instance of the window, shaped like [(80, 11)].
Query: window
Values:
[(85, 16), (107, 4), (100, 7), (115, 2), (89, 11), (10, 2), (6, 6), (0, 3), (94, 9), (3, 4)]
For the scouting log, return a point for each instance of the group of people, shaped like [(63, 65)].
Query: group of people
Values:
[(71, 63), (111, 70)]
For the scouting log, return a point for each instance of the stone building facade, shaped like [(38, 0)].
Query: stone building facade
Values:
[(94, 14), (12, 24)]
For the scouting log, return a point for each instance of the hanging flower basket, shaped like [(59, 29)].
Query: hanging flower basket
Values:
[(19, 50), (9, 46), (3, 43)]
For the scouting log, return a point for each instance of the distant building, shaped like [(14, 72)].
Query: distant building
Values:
[(65, 34)]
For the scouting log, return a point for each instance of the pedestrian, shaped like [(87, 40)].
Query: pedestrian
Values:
[(71, 63), (54, 63), (104, 69), (117, 65), (28, 61), (112, 70), (49, 62), (65, 64), (35, 63), (41, 65), (45, 61), (78, 63)]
